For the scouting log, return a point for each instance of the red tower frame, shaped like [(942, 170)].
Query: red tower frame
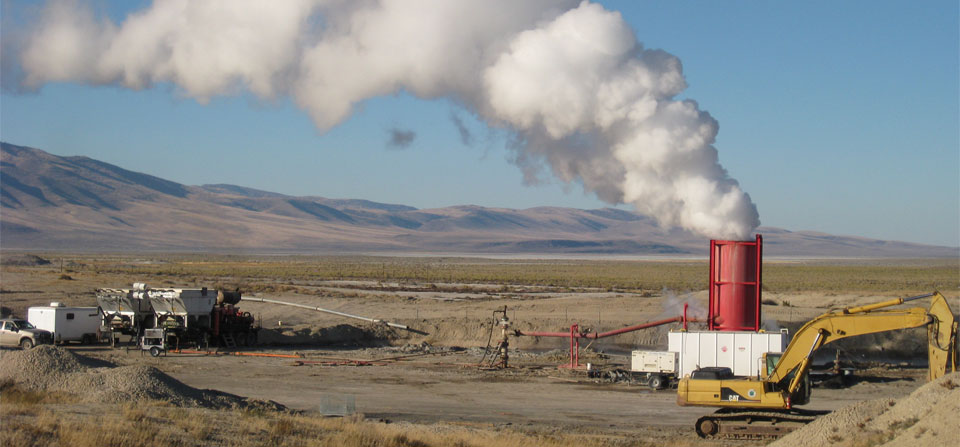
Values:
[(735, 283)]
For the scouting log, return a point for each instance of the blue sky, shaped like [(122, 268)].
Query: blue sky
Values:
[(839, 117)]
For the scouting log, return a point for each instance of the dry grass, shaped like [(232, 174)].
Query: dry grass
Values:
[(13, 396), (290, 273), (40, 419)]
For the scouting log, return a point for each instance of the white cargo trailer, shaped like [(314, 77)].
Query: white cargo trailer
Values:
[(66, 323)]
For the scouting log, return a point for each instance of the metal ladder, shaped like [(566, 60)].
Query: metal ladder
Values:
[(228, 341)]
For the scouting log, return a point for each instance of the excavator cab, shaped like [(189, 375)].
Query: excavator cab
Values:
[(802, 395), (770, 360)]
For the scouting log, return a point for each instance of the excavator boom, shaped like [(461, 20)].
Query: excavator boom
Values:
[(834, 326)]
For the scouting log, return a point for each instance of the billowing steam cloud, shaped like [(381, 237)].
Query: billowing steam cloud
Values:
[(570, 81)]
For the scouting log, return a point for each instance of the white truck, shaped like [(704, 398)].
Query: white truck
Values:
[(18, 332), (66, 323), (688, 351)]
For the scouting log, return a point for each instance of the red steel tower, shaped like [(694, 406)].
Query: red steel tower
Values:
[(735, 280)]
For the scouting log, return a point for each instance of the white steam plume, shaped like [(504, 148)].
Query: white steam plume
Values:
[(579, 92)]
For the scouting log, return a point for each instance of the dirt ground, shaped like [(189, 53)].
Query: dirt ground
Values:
[(411, 384), (432, 376)]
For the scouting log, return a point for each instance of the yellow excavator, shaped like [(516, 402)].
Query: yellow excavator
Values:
[(764, 406)]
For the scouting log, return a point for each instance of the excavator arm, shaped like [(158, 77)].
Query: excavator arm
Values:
[(850, 322), (796, 359)]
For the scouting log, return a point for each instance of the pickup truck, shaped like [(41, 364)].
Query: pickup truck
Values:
[(18, 332)]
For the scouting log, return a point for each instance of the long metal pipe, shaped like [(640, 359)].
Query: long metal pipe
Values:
[(320, 309), (636, 327), (248, 354), (600, 334), (544, 334)]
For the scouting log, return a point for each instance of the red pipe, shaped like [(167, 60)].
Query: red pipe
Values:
[(756, 323), (249, 354), (338, 362), (633, 328), (216, 321), (574, 347), (711, 285), (543, 334), (578, 334)]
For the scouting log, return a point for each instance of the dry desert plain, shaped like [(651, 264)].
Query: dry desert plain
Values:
[(428, 387)]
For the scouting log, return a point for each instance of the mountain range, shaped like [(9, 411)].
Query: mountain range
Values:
[(48, 202)]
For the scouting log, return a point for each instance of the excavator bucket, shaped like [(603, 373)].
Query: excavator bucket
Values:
[(941, 338)]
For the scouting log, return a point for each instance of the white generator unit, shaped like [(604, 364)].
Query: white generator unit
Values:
[(657, 369), (740, 351), (654, 362), (66, 323)]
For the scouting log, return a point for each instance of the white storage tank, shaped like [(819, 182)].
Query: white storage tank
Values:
[(739, 351), (189, 306)]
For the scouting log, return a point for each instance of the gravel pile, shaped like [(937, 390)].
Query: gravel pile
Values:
[(51, 368), (23, 260), (826, 429), (123, 384), (927, 417), (42, 367)]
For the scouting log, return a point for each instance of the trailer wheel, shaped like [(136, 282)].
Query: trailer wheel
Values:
[(155, 351), (26, 343), (656, 382), (86, 339), (251, 338)]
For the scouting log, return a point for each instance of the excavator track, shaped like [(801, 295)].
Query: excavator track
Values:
[(732, 423)]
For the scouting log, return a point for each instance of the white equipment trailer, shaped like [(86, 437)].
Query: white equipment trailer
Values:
[(688, 351), (66, 323)]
